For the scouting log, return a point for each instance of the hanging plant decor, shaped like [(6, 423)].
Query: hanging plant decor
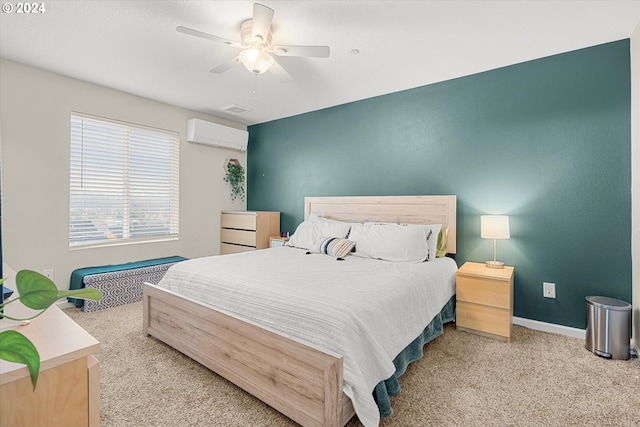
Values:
[(235, 177)]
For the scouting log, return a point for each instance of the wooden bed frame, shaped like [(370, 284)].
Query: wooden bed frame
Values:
[(302, 382)]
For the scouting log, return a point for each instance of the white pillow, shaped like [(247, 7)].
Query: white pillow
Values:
[(314, 229), (391, 242), (304, 236), (330, 227)]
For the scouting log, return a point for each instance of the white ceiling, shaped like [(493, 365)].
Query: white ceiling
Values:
[(133, 46)]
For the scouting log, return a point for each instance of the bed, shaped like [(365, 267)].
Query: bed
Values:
[(303, 376)]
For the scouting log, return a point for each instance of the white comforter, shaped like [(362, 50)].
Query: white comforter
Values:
[(365, 310)]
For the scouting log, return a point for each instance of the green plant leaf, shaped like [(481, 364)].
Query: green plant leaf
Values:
[(84, 293), (15, 347), (36, 291)]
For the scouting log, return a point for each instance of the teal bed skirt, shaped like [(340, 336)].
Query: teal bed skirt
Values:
[(411, 353)]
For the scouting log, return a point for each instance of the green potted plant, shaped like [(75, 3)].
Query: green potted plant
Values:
[(36, 292), (235, 176)]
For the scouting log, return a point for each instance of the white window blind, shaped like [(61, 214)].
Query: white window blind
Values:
[(124, 182)]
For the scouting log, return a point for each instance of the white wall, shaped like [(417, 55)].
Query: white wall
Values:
[(35, 106), (635, 181)]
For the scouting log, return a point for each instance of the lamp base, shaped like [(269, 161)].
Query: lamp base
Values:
[(494, 264)]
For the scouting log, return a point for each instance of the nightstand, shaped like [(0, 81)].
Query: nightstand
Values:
[(484, 300), (275, 241)]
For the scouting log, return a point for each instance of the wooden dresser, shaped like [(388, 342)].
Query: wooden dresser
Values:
[(243, 231), (68, 389), (484, 300)]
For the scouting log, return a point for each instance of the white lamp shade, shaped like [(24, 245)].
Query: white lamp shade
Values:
[(494, 227), (255, 60)]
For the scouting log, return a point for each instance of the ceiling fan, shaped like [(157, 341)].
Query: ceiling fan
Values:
[(256, 45)]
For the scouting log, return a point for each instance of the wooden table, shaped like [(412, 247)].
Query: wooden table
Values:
[(68, 389)]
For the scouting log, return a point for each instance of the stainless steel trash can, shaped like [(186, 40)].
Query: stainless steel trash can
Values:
[(608, 327)]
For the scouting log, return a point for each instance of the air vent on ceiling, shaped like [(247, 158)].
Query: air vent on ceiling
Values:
[(235, 108)]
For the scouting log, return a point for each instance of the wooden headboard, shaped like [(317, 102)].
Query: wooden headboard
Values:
[(403, 209)]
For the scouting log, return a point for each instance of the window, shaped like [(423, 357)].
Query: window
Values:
[(123, 181)]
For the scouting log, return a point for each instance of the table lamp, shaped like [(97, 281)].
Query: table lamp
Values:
[(494, 227)]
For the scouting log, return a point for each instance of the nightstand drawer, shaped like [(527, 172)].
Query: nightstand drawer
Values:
[(482, 318), (485, 291), (242, 221), (239, 237)]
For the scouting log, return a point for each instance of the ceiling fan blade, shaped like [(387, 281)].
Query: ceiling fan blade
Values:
[(224, 66), (206, 36), (279, 72), (261, 23), (306, 51)]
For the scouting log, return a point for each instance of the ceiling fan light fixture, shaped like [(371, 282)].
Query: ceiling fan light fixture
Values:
[(257, 49), (256, 60)]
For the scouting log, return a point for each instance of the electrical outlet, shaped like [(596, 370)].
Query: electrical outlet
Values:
[(548, 290), (48, 273)]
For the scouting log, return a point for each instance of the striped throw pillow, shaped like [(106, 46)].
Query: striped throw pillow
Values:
[(332, 246)]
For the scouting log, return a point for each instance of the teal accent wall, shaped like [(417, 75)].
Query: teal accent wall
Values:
[(547, 142)]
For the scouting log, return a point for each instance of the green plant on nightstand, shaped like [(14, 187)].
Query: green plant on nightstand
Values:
[(235, 177), (36, 292)]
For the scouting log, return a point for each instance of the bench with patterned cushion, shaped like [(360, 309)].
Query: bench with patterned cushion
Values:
[(120, 284)]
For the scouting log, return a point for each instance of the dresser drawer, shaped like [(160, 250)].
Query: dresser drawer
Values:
[(482, 318), (494, 293), (226, 248), (239, 237), (242, 221)]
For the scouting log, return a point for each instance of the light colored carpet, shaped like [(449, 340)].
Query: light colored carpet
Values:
[(539, 379)]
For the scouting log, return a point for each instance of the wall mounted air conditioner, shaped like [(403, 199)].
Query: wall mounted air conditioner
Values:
[(209, 133)]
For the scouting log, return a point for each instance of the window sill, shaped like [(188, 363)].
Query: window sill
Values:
[(124, 242)]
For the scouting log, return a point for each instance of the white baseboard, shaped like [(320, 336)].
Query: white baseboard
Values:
[(550, 327)]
